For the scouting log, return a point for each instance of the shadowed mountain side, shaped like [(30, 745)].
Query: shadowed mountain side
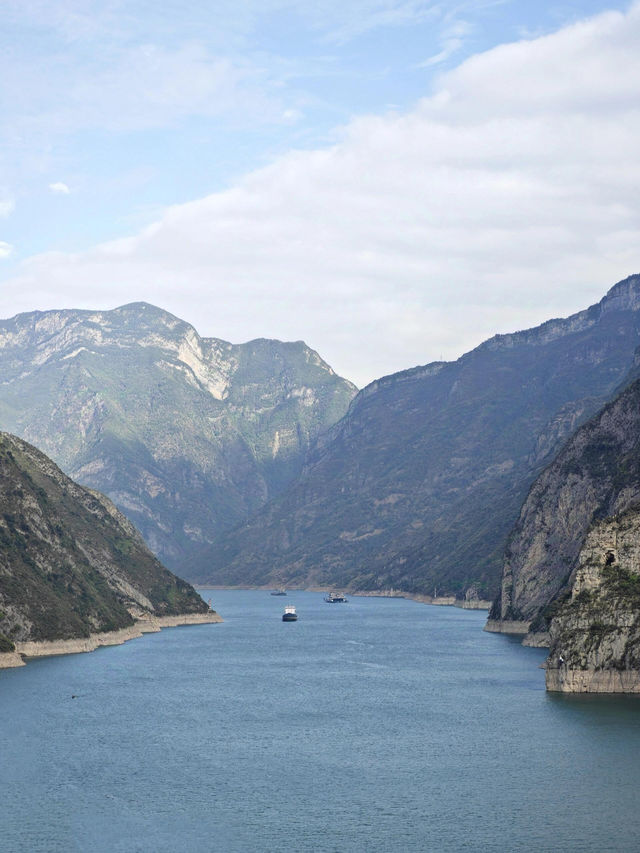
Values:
[(594, 477), (187, 435), (417, 487), (71, 565)]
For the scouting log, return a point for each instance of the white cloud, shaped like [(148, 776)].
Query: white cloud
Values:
[(130, 66), (5, 249), (507, 197), (341, 22), (451, 41), (129, 87), (89, 19), (7, 207), (60, 188), (291, 115)]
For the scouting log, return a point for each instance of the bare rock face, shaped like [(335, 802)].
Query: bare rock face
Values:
[(187, 435), (595, 627), (596, 475)]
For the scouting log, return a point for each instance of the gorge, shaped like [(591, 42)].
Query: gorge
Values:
[(255, 465)]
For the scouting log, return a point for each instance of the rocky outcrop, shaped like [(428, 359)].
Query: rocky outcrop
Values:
[(187, 435), (72, 566), (417, 487), (507, 626), (595, 626), (10, 660), (596, 475)]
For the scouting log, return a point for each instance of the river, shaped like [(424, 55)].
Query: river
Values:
[(375, 725)]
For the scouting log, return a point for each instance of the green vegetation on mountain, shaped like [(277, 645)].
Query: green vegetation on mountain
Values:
[(417, 487), (187, 435), (70, 563)]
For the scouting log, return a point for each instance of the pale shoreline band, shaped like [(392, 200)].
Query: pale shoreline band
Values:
[(149, 625), (438, 601)]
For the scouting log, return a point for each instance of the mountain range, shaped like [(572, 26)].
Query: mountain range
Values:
[(512, 473), (416, 488), (187, 435)]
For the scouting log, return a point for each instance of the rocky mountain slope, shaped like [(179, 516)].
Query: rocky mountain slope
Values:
[(595, 625), (416, 488), (71, 565), (187, 435), (595, 476)]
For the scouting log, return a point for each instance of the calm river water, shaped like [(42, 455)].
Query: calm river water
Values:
[(377, 725)]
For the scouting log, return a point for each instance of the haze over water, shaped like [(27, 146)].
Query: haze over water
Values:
[(378, 725)]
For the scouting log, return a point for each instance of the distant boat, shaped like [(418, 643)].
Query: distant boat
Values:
[(280, 591), (289, 614), (335, 598)]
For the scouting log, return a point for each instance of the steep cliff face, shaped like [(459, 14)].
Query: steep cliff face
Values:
[(596, 475), (595, 627), (187, 435), (416, 488), (70, 563)]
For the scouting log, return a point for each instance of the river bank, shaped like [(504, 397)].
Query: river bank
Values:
[(147, 625), (437, 601)]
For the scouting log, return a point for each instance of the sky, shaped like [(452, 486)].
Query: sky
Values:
[(391, 181)]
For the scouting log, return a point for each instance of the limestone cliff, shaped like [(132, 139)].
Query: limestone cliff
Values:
[(595, 626), (71, 565), (596, 475), (187, 435)]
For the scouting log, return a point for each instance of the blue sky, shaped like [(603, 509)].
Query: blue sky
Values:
[(121, 121), (293, 73)]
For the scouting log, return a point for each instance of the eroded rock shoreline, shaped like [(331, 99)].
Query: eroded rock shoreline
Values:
[(437, 601), (148, 625), (563, 680)]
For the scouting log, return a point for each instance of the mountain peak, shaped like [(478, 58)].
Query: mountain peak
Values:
[(623, 295), (417, 488), (144, 315), (144, 309), (188, 434)]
